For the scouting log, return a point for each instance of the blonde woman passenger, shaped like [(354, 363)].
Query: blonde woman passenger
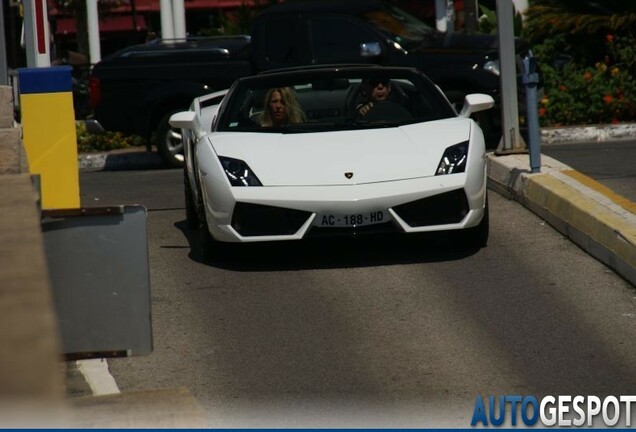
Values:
[(281, 108)]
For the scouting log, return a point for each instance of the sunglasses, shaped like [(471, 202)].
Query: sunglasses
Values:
[(370, 84), (383, 83)]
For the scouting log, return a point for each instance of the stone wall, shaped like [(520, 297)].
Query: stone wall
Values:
[(30, 370)]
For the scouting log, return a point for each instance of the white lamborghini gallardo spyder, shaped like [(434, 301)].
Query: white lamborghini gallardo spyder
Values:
[(406, 163)]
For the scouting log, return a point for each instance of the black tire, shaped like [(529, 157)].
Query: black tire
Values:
[(192, 216), (209, 248), (207, 245), (206, 242), (213, 250), (477, 237), (168, 142)]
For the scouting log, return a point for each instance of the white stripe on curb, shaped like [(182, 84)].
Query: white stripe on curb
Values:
[(98, 376)]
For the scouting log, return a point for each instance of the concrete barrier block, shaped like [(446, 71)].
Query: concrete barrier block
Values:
[(13, 158), (6, 107), (29, 358)]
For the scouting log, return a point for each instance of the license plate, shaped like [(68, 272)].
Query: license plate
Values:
[(350, 220)]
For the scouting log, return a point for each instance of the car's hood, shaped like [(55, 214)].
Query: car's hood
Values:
[(327, 158)]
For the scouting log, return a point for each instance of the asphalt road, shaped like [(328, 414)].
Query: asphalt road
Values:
[(372, 333)]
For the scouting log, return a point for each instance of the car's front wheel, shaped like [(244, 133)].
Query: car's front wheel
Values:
[(207, 245), (192, 216), (169, 143), (477, 237), (209, 248)]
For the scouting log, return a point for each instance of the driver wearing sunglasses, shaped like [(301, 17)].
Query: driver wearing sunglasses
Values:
[(373, 91)]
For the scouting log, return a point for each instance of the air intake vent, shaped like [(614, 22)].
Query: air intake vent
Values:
[(447, 208), (260, 220)]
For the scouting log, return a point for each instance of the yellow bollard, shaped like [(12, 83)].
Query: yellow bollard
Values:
[(48, 124)]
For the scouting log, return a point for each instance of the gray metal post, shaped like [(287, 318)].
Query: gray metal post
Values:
[(530, 81), (511, 141)]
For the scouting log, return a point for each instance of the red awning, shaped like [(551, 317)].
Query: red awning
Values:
[(154, 5), (115, 23)]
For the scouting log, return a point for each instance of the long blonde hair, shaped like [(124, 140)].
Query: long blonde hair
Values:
[(294, 112)]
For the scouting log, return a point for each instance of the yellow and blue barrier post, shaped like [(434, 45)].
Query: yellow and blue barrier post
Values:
[(50, 140)]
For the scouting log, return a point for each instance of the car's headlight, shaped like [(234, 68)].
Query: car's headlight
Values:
[(492, 66), (454, 159), (239, 173)]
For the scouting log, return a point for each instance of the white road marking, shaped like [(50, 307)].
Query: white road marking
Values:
[(98, 376)]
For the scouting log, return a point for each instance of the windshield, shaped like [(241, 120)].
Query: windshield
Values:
[(398, 25), (332, 100)]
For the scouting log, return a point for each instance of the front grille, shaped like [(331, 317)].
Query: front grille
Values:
[(260, 220), (446, 208)]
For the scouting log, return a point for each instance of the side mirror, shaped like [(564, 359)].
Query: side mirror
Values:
[(476, 102), (187, 120), (183, 120), (370, 50)]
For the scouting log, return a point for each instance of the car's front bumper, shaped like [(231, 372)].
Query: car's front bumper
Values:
[(291, 212)]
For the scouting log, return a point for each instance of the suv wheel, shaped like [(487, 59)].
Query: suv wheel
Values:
[(169, 143)]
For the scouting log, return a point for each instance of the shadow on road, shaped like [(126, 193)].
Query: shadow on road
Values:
[(333, 252)]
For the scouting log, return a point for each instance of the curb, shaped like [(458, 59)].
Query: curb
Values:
[(602, 223)]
